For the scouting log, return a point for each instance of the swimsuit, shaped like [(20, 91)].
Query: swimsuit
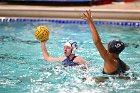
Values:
[(68, 62), (121, 68)]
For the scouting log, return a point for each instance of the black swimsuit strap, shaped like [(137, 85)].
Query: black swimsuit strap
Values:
[(72, 58), (121, 65)]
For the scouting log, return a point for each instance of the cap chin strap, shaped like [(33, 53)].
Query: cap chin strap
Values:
[(71, 53)]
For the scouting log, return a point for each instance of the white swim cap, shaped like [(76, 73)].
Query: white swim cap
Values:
[(73, 45)]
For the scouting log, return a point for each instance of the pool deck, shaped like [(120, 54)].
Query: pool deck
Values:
[(124, 11)]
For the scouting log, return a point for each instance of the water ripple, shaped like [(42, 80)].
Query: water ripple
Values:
[(14, 39)]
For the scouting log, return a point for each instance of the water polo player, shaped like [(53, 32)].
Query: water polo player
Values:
[(69, 51), (112, 63), (42, 34)]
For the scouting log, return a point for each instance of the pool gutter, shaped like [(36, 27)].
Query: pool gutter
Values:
[(125, 11), (98, 14)]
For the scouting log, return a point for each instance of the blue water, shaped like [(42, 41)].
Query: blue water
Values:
[(23, 69)]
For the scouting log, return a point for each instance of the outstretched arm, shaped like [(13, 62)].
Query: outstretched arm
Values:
[(96, 38), (46, 54)]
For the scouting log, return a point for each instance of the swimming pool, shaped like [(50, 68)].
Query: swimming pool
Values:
[(23, 69)]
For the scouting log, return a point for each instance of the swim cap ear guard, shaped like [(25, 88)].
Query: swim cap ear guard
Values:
[(73, 45), (116, 46)]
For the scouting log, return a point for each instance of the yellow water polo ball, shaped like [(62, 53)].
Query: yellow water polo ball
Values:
[(41, 33)]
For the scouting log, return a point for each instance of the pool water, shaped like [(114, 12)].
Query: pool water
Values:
[(23, 69)]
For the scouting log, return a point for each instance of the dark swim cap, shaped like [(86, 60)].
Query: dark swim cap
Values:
[(116, 46)]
